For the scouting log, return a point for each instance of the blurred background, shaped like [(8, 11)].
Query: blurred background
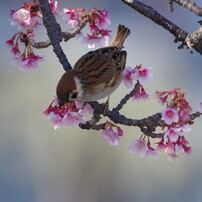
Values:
[(40, 164)]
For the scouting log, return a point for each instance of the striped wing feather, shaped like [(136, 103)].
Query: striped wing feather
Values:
[(103, 70)]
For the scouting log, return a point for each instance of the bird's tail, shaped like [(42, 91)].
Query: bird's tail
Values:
[(121, 34)]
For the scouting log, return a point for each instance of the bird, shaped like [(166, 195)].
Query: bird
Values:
[(97, 74)]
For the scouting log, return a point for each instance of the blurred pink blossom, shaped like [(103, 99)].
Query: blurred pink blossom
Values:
[(139, 147), (143, 75), (127, 77), (111, 137)]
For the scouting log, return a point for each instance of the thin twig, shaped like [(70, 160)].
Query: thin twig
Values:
[(40, 45), (170, 5), (65, 35), (88, 126), (76, 30)]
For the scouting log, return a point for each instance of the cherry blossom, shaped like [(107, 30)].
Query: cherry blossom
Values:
[(161, 145), (173, 157), (66, 116), (10, 42), (53, 5), (15, 50), (174, 142), (23, 18), (84, 108), (170, 115), (173, 134), (170, 148), (164, 96), (112, 133), (127, 77), (104, 19), (143, 75), (152, 152), (27, 62), (72, 119), (55, 119), (20, 17), (69, 16), (139, 147), (140, 95), (101, 39), (111, 137)]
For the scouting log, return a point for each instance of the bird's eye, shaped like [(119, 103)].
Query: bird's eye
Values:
[(74, 95)]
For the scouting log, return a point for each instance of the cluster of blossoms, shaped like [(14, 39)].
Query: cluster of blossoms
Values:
[(98, 24), (71, 114), (143, 75), (74, 113), (29, 15), (176, 117), (27, 18), (27, 60), (177, 123)]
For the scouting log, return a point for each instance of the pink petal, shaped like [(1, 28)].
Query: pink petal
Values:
[(173, 157), (111, 137), (170, 115), (143, 75), (173, 134), (127, 77), (138, 147), (72, 119)]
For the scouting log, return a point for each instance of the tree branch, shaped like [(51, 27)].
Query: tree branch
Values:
[(179, 33), (192, 6), (65, 35), (54, 33), (76, 30), (147, 125), (127, 97), (194, 40)]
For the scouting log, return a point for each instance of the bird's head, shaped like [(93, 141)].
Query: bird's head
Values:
[(66, 89)]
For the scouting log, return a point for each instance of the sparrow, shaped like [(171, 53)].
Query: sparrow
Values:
[(96, 74)]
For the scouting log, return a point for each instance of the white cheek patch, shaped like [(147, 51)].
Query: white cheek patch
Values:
[(78, 87)]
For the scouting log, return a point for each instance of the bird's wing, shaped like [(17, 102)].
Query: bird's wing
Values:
[(101, 67)]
